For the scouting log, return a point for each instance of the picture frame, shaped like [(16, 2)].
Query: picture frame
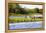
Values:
[(23, 2)]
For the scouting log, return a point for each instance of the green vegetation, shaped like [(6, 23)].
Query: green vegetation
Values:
[(25, 19), (16, 10)]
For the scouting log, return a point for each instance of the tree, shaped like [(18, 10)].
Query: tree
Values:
[(16, 9), (23, 11), (37, 10), (17, 6), (20, 10), (10, 7)]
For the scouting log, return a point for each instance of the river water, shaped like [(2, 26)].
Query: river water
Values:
[(23, 25)]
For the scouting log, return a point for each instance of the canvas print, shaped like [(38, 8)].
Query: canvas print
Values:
[(25, 16)]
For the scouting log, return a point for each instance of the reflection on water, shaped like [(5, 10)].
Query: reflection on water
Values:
[(22, 25)]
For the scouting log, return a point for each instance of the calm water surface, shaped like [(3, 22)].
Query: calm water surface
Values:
[(25, 25)]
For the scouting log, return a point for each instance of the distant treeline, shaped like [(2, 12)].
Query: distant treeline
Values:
[(15, 8)]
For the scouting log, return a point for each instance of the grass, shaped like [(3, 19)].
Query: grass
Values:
[(25, 19)]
